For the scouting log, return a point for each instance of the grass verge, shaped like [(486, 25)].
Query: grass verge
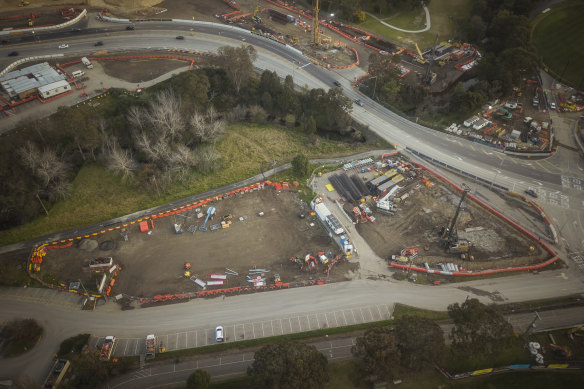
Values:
[(551, 34), (442, 13), (401, 310), (246, 149)]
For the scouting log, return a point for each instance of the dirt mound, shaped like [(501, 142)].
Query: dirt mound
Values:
[(88, 244)]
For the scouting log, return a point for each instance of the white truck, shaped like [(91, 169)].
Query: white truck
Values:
[(87, 63)]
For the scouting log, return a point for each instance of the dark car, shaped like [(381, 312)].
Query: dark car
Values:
[(13, 54), (75, 30), (531, 192), (100, 43), (337, 83), (130, 28), (359, 102), (180, 37)]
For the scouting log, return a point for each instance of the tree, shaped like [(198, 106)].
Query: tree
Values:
[(420, 341), (301, 165), (288, 365), (119, 160), (378, 352), (200, 379), (478, 328), (237, 62)]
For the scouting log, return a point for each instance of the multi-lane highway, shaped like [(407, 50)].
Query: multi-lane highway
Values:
[(474, 158)]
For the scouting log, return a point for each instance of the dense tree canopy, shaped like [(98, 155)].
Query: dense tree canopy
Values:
[(289, 365), (378, 352), (478, 328), (420, 341)]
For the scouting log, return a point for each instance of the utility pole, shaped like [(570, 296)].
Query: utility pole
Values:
[(532, 324)]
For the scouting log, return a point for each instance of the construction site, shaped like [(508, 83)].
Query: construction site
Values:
[(242, 240), (266, 237), (409, 216)]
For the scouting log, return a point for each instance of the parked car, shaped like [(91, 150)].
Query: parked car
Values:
[(99, 43), (553, 105), (359, 102), (219, 334), (338, 84), (63, 46), (129, 28), (531, 192), (180, 37), (13, 54)]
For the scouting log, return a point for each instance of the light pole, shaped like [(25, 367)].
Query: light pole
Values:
[(497, 172)]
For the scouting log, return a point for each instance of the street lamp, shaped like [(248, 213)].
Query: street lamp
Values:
[(497, 172)]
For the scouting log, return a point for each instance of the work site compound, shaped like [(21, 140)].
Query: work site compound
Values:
[(387, 217)]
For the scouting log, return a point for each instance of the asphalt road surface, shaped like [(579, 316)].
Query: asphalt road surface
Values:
[(61, 322)]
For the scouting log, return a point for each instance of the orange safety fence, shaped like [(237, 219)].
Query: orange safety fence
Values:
[(554, 256)]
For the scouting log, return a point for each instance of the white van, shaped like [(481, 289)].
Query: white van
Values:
[(78, 73)]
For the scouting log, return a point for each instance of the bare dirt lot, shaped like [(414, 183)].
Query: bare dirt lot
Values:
[(141, 69), (153, 264), (418, 221)]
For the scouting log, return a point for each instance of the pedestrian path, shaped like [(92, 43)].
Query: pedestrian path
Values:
[(428, 23)]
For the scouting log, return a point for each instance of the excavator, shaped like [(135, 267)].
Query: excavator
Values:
[(255, 16), (210, 212)]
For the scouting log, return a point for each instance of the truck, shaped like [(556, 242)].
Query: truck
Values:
[(150, 346), (107, 348), (87, 63)]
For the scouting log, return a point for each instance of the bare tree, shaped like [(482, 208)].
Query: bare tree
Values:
[(29, 155), (207, 159), (50, 167), (164, 114), (119, 160), (206, 128)]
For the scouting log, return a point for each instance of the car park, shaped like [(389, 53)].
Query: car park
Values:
[(359, 102), (219, 334), (531, 192), (338, 84), (63, 46)]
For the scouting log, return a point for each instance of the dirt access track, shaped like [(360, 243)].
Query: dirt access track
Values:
[(153, 263)]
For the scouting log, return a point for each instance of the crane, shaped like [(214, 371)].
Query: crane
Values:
[(421, 59), (384, 203), (449, 238), (315, 26), (210, 212)]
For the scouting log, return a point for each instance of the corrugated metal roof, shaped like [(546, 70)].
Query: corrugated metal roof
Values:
[(31, 77), (24, 71), (54, 85)]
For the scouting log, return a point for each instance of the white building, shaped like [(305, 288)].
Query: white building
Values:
[(54, 89)]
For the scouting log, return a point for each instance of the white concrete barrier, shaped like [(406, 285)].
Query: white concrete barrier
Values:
[(47, 28)]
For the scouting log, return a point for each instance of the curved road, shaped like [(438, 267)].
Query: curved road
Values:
[(476, 159)]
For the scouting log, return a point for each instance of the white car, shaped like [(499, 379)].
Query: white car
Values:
[(553, 105), (63, 46), (219, 334)]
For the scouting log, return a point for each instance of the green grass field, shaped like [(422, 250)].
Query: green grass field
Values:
[(441, 14), (558, 37), (246, 149)]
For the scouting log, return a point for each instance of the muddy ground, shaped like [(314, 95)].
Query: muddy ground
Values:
[(495, 244), (153, 264)]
